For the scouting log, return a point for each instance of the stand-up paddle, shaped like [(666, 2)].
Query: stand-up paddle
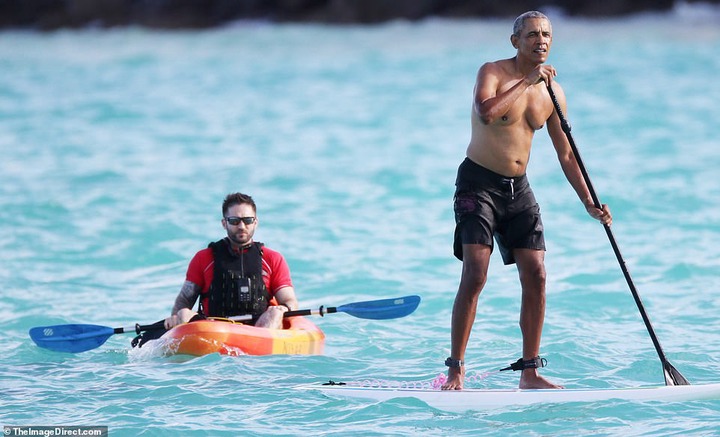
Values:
[(672, 375), (81, 338)]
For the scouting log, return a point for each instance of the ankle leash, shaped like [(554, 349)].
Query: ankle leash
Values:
[(532, 363)]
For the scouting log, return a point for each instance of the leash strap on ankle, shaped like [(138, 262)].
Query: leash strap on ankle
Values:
[(452, 362), (532, 363)]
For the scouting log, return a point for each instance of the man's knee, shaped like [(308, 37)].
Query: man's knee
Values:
[(476, 258), (531, 267), (473, 278), (185, 314), (533, 274)]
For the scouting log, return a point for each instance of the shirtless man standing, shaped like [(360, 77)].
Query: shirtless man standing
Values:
[(493, 197)]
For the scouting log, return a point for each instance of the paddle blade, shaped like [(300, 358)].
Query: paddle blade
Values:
[(70, 338), (382, 309), (673, 376)]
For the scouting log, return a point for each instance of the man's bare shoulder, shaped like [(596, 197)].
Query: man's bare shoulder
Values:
[(557, 88), (500, 68)]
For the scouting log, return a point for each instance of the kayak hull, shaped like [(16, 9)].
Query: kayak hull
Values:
[(299, 336)]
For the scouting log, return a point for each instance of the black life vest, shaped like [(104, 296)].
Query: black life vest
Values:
[(237, 287)]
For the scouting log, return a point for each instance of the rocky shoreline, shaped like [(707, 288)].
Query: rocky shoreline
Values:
[(50, 15)]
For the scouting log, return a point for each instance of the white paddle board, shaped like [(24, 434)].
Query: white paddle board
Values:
[(478, 399)]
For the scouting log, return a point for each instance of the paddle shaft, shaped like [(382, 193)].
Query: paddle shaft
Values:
[(138, 328), (292, 313), (672, 376), (382, 309)]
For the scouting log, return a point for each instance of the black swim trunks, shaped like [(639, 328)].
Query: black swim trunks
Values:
[(488, 204)]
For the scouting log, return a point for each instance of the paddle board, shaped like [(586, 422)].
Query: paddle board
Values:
[(478, 399)]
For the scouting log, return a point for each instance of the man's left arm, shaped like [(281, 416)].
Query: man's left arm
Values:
[(273, 315), (286, 296), (569, 164)]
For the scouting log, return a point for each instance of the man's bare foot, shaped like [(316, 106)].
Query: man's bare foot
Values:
[(456, 376), (531, 379)]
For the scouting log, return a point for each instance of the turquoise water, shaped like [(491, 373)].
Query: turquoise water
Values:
[(118, 146)]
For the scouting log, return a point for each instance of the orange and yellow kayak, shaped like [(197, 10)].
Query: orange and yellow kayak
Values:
[(299, 336)]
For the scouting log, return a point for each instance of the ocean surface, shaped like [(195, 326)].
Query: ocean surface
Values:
[(117, 147)]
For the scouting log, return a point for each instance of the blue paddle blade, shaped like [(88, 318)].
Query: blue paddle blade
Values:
[(70, 338), (382, 309)]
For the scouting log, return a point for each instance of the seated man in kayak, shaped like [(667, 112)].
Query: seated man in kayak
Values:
[(236, 276)]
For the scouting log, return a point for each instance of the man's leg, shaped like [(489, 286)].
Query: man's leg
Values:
[(531, 268), (476, 258)]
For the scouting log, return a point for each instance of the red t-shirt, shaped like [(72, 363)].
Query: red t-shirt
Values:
[(275, 270)]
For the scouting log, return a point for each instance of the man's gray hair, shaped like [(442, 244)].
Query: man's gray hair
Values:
[(520, 21)]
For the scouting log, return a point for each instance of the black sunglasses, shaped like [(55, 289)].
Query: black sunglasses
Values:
[(236, 220)]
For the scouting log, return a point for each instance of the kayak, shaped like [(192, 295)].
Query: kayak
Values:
[(299, 336)]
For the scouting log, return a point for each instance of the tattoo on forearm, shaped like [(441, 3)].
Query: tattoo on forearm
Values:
[(190, 289), (187, 296)]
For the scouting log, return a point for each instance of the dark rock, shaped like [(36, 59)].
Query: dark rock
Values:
[(55, 14)]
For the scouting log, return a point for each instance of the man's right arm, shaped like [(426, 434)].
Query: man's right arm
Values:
[(491, 106), (187, 297), (185, 300)]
